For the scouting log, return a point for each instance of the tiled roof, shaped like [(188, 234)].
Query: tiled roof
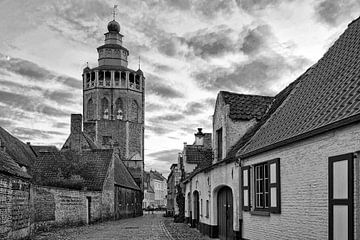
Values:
[(122, 176), (197, 154), (79, 141), (73, 170), (20, 152), (156, 175), (246, 107), (9, 166), (327, 96), (278, 100)]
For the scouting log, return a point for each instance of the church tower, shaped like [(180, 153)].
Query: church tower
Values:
[(113, 103)]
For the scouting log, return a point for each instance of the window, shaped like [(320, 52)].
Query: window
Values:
[(207, 208), (107, 78), (201, 207), (131, 80), (93, 79), (219, 143), (101, 78), (117, 78), (90, 109), (266, 179), (262, 186)]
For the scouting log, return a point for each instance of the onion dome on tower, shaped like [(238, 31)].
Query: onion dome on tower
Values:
[(113, 26)]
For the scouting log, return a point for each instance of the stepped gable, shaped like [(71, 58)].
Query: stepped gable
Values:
[(85, 170), (246, 107), (20, 152), (9, 166), (122, 176), (325, 98)]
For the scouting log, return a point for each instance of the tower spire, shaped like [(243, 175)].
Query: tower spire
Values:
[(139, 62)]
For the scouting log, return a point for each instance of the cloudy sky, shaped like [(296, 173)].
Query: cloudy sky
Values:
[(190, 50)]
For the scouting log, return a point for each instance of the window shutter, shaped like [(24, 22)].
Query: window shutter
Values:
[(246, 188), (274, 186)]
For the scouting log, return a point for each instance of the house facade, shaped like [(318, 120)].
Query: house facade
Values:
[(172, 184), (291, 171)]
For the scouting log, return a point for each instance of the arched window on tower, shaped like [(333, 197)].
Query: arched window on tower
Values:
[(105, 108), (107, 78), (137, 82), (117, 78), (131, 80), (123, 79), (93, 79), (119, 113), (101, 78), (87, 79), (134, 111), (90, 109)]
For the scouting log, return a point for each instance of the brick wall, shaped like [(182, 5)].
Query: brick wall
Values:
[(14, 207), (58, 206), (304, 187)]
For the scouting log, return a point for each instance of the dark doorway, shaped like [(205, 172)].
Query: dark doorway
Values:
[(225, 213), (196, 210), (341, 194), (88, 200)]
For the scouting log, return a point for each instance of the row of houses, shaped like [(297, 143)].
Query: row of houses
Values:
[(155, 187), (283, 167)]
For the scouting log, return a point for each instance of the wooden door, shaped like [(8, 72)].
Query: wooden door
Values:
[(225, 213), (196, 209), (341, 193)]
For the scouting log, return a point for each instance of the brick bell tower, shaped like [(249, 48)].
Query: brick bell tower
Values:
[(113, 103)]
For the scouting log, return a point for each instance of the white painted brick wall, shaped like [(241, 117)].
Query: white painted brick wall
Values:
[(304, 187)]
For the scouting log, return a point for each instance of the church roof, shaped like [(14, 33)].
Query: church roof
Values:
[(20, 152), (324, 98), (246, 107)]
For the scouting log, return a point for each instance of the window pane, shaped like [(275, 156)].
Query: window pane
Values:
[(246, 197), (273, 173), (245, 178), (273, 197), (340, 187), (340, 222)]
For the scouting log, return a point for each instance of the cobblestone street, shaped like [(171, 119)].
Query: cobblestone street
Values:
[(149, 226)]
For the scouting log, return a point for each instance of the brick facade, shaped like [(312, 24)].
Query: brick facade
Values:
[(15, 214), (304, 187)]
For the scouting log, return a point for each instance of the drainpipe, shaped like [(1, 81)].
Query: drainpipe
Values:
[(240, 199)]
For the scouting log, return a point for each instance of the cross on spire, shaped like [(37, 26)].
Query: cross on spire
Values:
[(114, 11)]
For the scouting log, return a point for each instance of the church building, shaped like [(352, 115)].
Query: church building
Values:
[(113, 105)]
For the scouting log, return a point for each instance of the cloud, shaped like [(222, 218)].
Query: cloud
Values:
[(156, 87), (333, 12), (255, 5), (211, 9), (194, 108), (34, 72), (212, 42), (159, 130), (165, 155), (29, 133), (29, 104), (255, 76), (173, 117), (256, 39)]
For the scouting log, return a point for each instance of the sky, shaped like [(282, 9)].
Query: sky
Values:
[(190, 50)]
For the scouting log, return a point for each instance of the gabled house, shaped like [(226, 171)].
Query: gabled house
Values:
[(300, 169), (211, 189)]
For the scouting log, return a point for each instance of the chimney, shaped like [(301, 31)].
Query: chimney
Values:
[(199, 137), (76, 123)]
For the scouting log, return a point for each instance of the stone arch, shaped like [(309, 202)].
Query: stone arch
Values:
[(90, 109), (134, 111), (119, 109), (105, 108)]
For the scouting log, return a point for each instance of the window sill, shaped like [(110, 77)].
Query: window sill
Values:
[(260, 213)]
